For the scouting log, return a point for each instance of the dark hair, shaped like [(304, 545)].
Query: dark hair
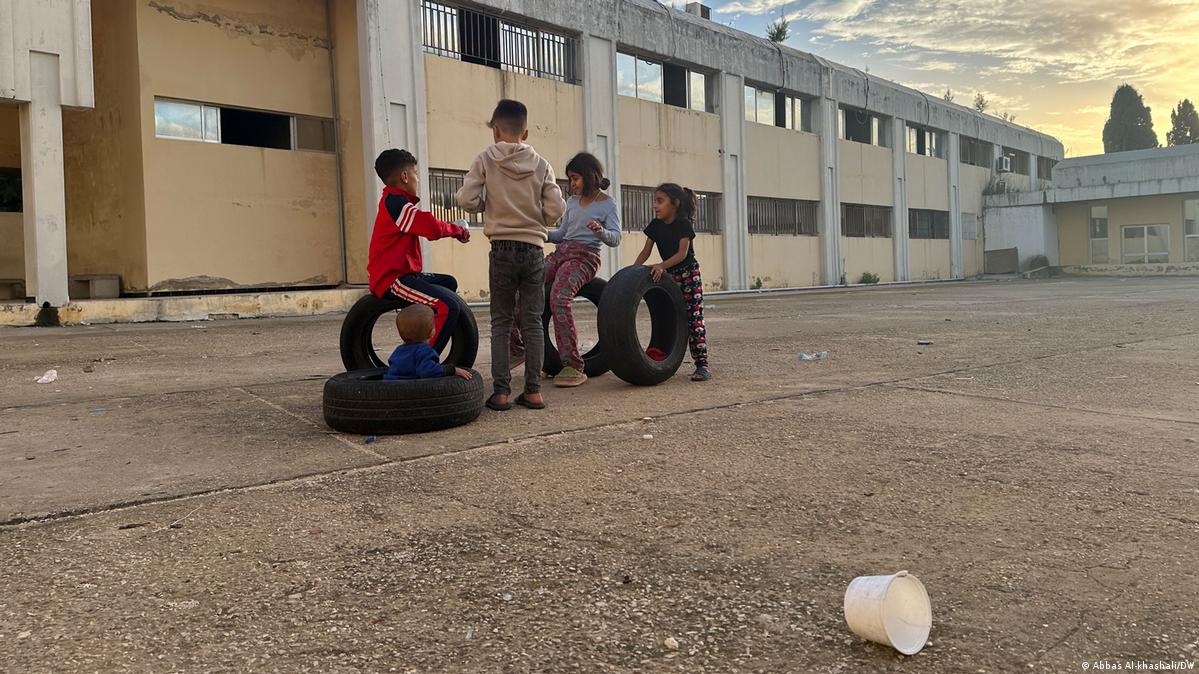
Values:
[(591, 170), (390, 161), (683, 198), (510, 117), (414, 323)]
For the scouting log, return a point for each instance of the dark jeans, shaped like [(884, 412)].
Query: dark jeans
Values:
[(517, 270)]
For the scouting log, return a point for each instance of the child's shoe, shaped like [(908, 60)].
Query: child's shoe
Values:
[(569, 377), (701, 374)]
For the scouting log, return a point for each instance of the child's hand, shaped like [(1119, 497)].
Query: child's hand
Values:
[(464, 235), (656, 271), (595, 226), (465, 374)]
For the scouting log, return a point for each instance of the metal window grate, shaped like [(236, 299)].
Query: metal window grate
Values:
[(792, 217), (443, 185), (926, 224), (637, 210), (863, 221), (485, 39)]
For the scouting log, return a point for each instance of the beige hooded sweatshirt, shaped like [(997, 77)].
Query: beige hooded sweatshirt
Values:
[(514, 188)]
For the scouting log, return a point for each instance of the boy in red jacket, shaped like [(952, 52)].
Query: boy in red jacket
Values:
[(395, 264)]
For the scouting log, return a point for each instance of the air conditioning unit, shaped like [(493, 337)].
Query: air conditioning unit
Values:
[(1004, 164), (699, 9)]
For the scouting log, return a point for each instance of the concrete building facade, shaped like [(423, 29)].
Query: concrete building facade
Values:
[(228, 144)]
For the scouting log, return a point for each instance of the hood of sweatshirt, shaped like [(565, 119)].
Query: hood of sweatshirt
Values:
[(516, 160)]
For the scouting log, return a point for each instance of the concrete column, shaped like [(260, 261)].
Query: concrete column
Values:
[(600, 117), (953, 155), (391, 70), (899, 212), (44, 183), (732, 164), (1032, 172), (829, 215)]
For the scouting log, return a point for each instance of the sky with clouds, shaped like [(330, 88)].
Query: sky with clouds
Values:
[(1052, 64)]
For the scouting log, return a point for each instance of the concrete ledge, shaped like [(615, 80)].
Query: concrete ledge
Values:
[(190, 308), (1169, 269)]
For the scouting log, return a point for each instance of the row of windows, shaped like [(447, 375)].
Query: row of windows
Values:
[(188, 120), (1143, 244), (777, 109), (485, 39), (662, 83), (637, 210)]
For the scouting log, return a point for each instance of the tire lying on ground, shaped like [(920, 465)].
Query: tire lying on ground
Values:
[(358, 350), (361, 402), (617, 321), (594, 361)]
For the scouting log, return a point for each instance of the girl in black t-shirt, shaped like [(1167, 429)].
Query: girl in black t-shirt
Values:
[(671, 232)]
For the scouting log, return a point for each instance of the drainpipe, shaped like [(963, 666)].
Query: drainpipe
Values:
[(341, 201)]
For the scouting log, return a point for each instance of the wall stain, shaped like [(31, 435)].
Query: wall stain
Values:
[(204, 282), (299, 42)]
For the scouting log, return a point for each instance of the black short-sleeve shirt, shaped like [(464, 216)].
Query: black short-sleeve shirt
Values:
[(667, 238)]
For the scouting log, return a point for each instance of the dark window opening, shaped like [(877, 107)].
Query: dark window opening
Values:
[(479, 36), (863, 221), (674, 85), (255, 129), (857, 125), (927, 224), (10, 190), (782, 216)]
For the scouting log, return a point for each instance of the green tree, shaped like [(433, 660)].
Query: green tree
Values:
[(981, 103), (1130, 124), (779, 30), (948, 96), (1184, 124)]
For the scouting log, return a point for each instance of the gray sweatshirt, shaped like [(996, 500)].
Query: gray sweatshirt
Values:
[(573, 225)]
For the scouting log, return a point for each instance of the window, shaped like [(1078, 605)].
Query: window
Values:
[(1019, 160), (443, 185), (10, 190), (969, 227), (782, 216), (1098, 235), (759, 106), (484, 39), (187, 120), (865, 221), (861, 127), (184, 120), (638, 77), (1190, 215), (685, 88), (1045, 168), (926, 224), (697, 92), (924, 141), (796, 113), (776, 109), (1145, 244), (976, 152), (637, 209)]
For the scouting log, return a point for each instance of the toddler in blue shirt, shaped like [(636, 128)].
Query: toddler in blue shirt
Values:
[(415, 359)]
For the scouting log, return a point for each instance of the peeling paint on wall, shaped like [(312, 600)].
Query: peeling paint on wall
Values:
[(194, 283), (260, 34)]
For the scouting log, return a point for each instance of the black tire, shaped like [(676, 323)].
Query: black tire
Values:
[(360, 402), (618, 325), (358, 350), (594, 361)]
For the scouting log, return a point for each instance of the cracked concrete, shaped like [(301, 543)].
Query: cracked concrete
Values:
[(1035, 467)]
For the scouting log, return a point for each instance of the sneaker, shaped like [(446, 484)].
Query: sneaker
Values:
[(655, 354), (569, 377), (701, 374)]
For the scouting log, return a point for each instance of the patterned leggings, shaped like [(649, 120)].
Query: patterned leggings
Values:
[(687, 276)]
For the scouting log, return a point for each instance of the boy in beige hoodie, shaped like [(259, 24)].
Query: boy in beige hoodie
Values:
[(515, 189)]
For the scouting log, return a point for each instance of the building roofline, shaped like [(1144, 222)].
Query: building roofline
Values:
[(1130, 155)]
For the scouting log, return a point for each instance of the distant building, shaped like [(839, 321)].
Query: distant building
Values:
[(228, 143)]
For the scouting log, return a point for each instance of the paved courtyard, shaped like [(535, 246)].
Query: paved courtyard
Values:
[(174, 501)]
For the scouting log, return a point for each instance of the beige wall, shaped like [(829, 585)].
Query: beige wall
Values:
[(927, 182), (864, 174), (972, 180), (709, 250), (661, 143), (782, 163), (875, 255), (929, 259), (359, 216), (102, 157), (238, 216), (466, 262), (1074, 235), (784, 261), (461, 97)]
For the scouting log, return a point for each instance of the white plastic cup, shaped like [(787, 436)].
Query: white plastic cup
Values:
[(891, 610)]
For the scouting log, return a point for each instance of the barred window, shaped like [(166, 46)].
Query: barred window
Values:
[(976, 152), (926, 224), (782, 216), (485, 39), (637, 210), (859, 220), (443, 185)]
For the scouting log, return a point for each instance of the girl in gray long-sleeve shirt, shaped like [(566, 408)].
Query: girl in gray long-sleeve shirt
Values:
[(591, 221)]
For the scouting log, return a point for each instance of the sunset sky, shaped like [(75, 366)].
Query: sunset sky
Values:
[(1053, 64)]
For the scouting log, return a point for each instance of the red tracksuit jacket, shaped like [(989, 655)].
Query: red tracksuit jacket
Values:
[(395, 242)]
